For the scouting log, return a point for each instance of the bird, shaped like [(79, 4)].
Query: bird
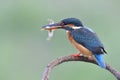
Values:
[(83, 38)]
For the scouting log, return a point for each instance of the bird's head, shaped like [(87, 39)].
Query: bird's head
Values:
[(67, 24)]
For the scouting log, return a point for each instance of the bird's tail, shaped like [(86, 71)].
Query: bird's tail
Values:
[(100, 60)]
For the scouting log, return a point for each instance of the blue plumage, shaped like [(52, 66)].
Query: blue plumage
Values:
[(89, 39), (100, 60), (82, 37)]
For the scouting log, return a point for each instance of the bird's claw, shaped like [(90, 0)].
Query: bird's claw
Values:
[(76, 55)]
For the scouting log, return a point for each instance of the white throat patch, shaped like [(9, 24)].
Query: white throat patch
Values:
[(75, 27)]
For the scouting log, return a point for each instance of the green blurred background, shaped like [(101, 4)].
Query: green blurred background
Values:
[(24, 50)]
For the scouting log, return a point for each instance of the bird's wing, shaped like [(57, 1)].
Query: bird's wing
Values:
[(88, 39)]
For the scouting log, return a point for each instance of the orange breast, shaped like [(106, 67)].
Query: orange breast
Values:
[(81, 48)]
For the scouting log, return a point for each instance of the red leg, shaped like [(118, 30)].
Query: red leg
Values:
[(75, 55)]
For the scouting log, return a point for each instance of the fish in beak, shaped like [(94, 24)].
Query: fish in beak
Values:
[(53, 26), (50, 28)]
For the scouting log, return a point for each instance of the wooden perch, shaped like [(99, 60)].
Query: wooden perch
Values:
[(60, 60)]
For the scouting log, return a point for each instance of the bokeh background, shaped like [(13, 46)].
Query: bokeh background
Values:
[(24, 50)]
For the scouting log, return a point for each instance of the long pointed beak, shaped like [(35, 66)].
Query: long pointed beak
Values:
[(52, 26)]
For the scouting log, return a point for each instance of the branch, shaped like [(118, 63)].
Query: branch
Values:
[(60, 60)]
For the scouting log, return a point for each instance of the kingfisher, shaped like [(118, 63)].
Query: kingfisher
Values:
[(83, 38)]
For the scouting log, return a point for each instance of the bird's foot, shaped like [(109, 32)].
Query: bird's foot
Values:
[(76, 55)]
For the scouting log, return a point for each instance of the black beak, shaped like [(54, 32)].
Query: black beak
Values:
[(52, 26)]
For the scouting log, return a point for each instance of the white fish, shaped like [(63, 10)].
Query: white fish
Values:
[(50, 32)]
